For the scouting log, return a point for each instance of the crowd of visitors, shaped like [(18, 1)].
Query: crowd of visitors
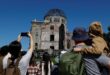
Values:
[(87, 57)]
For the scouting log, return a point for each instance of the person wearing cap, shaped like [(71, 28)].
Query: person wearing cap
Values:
[(74, 59), (98, 46), (82, 40)]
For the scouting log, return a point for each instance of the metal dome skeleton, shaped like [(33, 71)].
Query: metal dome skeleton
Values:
[(55, 12)]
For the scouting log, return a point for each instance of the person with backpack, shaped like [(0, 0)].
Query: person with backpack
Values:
[(97, 49), (94, 70), (3, 53), (17, 65), (71, 62)]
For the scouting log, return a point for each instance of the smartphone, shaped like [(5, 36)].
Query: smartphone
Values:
[(24, 34)]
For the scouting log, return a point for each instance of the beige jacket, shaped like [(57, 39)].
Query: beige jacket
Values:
[(98, 46)]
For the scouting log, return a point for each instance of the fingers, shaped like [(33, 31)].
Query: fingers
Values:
[(19, 38), (29, 34), (77, 49)]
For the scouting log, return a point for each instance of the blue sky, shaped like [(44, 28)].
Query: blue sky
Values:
[(16, 15)]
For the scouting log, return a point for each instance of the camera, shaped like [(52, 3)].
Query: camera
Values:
[(24, 34)]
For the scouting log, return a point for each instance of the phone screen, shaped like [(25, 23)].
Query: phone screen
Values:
[(24, 34)]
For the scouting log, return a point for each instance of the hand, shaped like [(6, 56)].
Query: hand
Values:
[(29, 34), (19, 38), (77, 49)]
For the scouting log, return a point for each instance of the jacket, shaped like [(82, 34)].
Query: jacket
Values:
[(98, 46), (71, 64)]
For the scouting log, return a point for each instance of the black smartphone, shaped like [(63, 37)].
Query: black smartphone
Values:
[(24, 34)]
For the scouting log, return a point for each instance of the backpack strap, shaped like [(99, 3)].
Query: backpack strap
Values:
[(11, 63), (17, 61)]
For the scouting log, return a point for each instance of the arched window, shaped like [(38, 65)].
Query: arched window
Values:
[(56, 20), (52, 27), (51, 37), (63, 21), (36, 46)]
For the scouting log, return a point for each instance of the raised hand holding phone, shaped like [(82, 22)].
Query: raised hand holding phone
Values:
[(24, 34)]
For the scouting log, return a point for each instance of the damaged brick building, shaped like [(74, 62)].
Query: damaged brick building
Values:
[(52, 33)]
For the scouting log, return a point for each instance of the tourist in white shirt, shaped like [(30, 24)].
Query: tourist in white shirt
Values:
[(15, 49)]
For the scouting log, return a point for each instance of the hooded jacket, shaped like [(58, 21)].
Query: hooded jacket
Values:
[(98, 45)]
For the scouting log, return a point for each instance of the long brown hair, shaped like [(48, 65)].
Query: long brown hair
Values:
[(46, 60)]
